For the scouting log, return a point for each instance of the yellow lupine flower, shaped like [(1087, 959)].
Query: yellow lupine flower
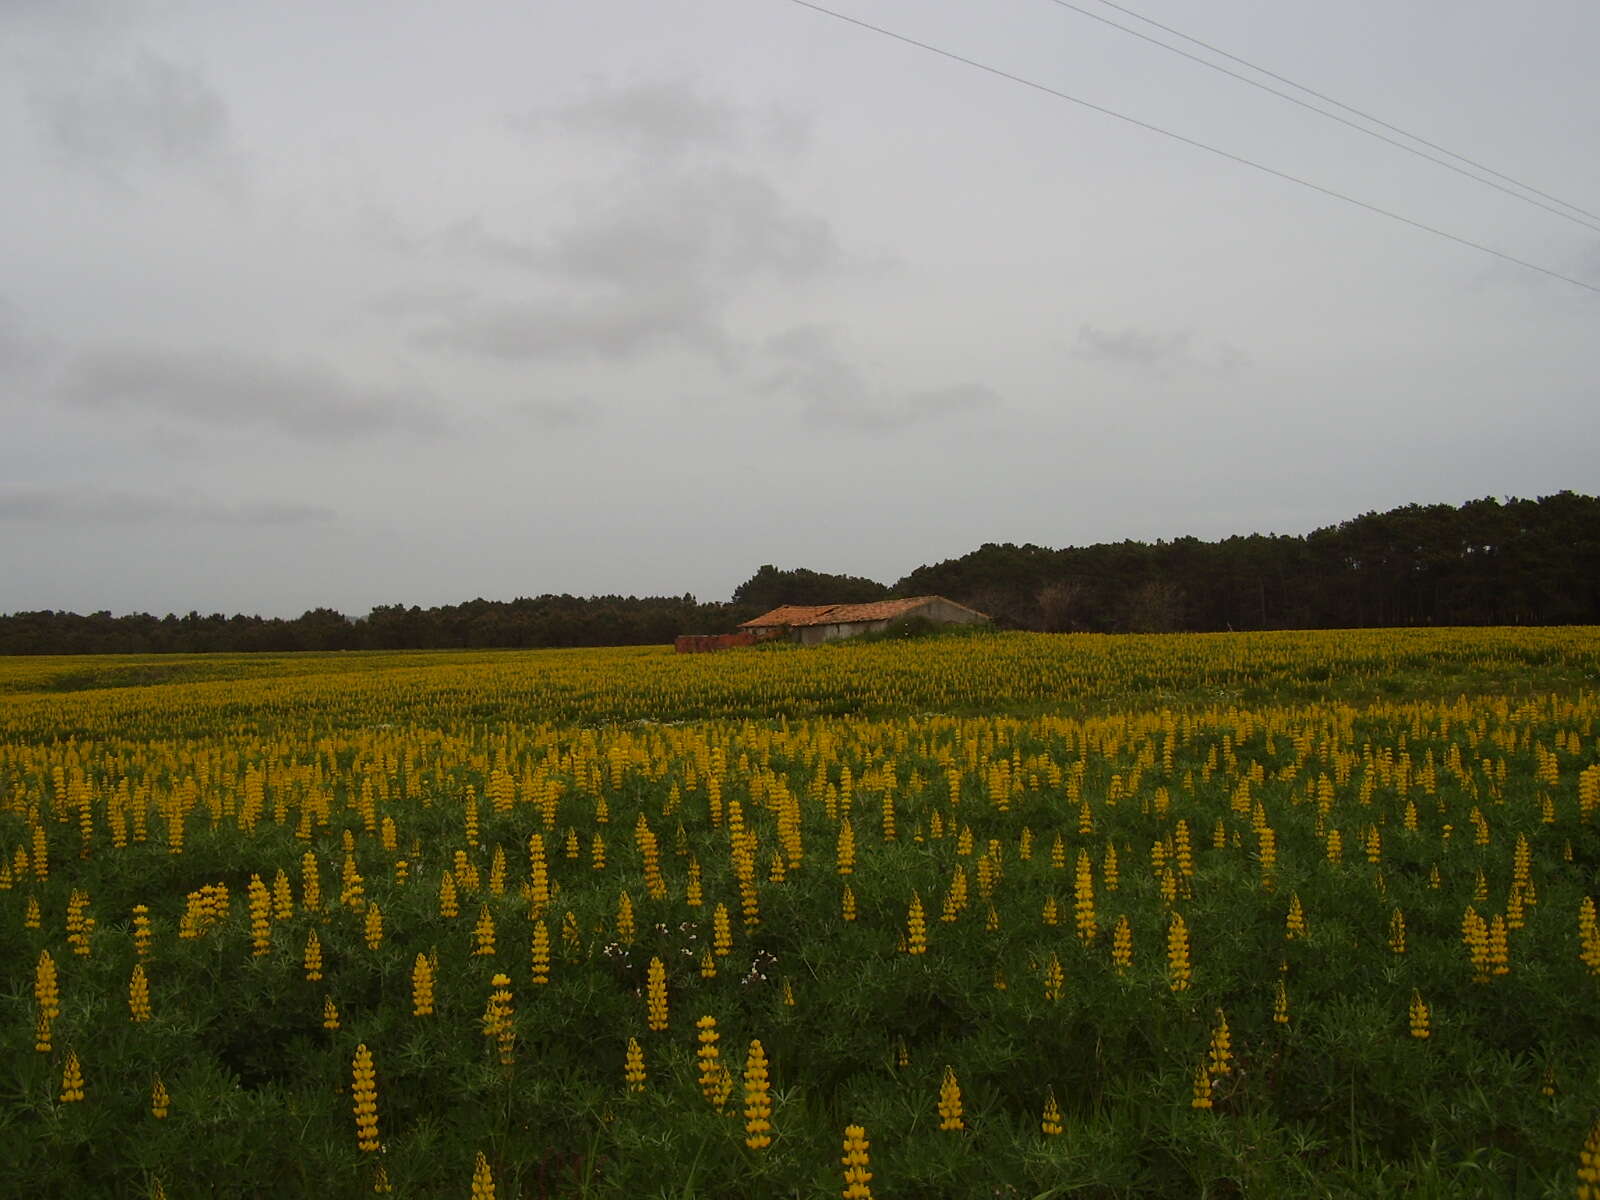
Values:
[(282, 897), (1083, 899), (540, 953), (482, 1179), (72, 1080), (351, 890), (483, 933), (1588, 936), (855, 1162), (1122, 945), (1054, 978), (260, 900), (364, 1098), (1221, 1059), (1295, 922), (656, 995), (950, 1103), (46, 989), (757, 1099), (313, 957), (1589, 1165), (310, 882), (79, 923), (497, 1023), (1397, 932), (916, 927), (1178, 971), (139, 994), (633, 1070), (421, 987), (142, 935), (1050, 1121), (708, 1063), (694, 893), (1418, 1015)]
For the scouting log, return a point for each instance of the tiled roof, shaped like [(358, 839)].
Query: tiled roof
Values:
[(833, 614)]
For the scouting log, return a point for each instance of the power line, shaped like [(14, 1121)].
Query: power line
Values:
[(1188, 141), (1366, 116), (1322, 112)]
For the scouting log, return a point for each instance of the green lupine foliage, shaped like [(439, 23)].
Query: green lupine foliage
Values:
[(1296, 733)]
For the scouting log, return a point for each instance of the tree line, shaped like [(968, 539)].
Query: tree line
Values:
[(1486, 562), (1520, 562)]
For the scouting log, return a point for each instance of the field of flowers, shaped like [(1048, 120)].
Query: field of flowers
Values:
[(983, 915)]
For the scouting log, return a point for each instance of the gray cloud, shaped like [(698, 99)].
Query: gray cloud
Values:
[(70, 20), (421, 302), (552, 415), (654, 255), (669, 118), (657, 263), (63, 505), (58, 13), (1134, 347), (722, 224), (808, 366), (623, 325), (469, 239), (224, 390), (21, 353), (656, 117), (1576, 256), (1156, 350), (896, 411), (158, 111), (703, 226)]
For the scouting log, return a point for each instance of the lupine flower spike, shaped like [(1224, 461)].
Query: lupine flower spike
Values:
[(856, 1175), (950, 1103), (757, 1099), (482, 1179), (1050, 1122), (364, 1094)]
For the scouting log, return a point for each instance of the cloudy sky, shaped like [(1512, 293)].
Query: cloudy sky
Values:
[(351, 304)]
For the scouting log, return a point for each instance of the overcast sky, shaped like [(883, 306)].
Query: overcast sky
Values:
[(350, 304)]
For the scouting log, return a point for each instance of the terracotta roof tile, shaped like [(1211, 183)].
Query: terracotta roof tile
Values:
[(832, 614)]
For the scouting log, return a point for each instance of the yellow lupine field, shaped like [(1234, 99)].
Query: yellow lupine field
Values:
[(999, 915)]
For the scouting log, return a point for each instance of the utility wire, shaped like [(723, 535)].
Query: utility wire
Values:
[(1365, 116), (1322, 112), (1188, 141)]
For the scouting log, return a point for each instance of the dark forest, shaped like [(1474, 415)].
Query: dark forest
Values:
[(1486, 562)]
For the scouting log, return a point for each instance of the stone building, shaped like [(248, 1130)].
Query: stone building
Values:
[(810, 624)]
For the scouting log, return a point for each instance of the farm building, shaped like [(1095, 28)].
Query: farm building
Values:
[(810, 624)]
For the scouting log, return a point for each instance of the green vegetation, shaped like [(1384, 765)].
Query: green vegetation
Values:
[(1056, 807)]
